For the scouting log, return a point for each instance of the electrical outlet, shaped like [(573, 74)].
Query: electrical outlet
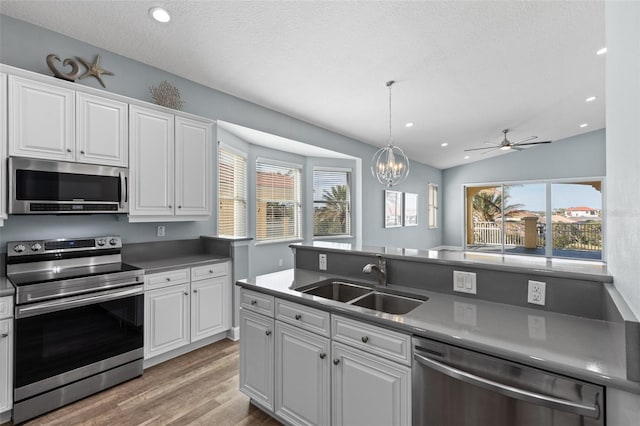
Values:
[(464, 282), (322, 262), (537, 292), (160, 231)]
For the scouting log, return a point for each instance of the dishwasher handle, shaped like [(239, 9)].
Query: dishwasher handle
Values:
[(510, 391)]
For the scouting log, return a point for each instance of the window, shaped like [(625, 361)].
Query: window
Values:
[(232, 193), (433, 206), (331, 202), (549, 218), (278, 207)]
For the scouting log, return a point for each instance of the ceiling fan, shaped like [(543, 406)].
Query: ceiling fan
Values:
[(506, 144)]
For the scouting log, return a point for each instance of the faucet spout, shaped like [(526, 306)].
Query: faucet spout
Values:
[(380, 267)]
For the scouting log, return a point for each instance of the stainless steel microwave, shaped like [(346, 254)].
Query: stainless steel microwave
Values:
[(59, 187)]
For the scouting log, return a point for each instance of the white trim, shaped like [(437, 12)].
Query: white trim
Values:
[(333, 169), (232, 149), (279, 163), (281, 241), (332, 237), (233, 334)]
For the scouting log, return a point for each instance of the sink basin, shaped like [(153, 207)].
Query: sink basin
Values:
[(389, 303), (340, 291)]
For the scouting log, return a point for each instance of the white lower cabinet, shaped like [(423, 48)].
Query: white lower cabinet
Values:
[(302, 376), (256, 357), (184, 306), (6, 354), (369, 390)]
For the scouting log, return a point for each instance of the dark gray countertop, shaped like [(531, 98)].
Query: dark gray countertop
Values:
[(166, 264), (6, 288), (591, 350), (562, 268)]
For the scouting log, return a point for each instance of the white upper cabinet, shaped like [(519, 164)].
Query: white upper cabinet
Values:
[(101, 130), (3, 147), (193, 159), (151, 136), (41, 120)]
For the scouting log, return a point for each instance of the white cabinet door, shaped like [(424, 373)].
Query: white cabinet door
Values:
[(369, 390), (6, 364), (302, 376), (151, 146), (41, 120), (210, 307), (101, 130), (193, 165), (256, 357), (3, 147), (166, 319)]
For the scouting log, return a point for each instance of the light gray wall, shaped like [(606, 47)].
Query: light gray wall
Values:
[(26, 46), (577, 156)]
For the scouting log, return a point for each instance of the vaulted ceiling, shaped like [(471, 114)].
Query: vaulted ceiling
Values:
[(464, 70)]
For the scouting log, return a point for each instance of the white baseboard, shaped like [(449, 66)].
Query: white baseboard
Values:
[(234, 334), (150, 362), (5, 417)]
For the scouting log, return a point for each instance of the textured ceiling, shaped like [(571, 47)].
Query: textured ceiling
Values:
[(464, 70)]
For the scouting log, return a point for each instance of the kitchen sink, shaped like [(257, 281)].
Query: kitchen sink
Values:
[(389, 303), (341, 291)]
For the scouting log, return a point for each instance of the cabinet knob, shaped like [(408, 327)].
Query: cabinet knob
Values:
[(254, 302), (211, 271), (168, 279), (186, 293), (336, 361), (68, 149), (3, 335), (298, 316), (268, 332), (195, 291), (364, 339), (169, 205), (82, 152), (323, 355), (179, 207)]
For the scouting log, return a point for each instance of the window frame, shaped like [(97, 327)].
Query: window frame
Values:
[(349, 173), (241, 154), (433, 192), (548, 213)]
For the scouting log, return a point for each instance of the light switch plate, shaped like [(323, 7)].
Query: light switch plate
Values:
[(160, 231), (464, 282), (322, 262)]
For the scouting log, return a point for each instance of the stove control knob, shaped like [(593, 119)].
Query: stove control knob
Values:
[(19, 248), (36, 247), (101, 242), (113, 241)]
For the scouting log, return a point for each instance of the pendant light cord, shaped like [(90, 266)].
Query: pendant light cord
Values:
[(389, 84)]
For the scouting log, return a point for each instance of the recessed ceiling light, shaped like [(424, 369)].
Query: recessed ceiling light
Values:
[(591, 98), (443, 144), (601, 51), (408, 125), (160, 14), (466, 157), (583, 125)]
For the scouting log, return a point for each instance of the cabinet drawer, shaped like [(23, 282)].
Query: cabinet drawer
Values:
[(164, 279), (209, 271), (303, 316), (256, 302), (377, 340), (6, 307)]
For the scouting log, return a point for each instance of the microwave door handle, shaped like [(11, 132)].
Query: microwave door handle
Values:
[(521, 394), (123, 190)]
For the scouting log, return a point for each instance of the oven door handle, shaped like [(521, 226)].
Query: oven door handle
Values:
[(510, 391), (73, 302)]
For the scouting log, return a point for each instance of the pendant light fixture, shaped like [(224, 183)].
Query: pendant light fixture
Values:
[(389, 165)]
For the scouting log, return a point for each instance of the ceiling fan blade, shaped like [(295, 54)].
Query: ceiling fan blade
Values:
[(486, 147), (528, 138), (531, 143), (491, 150)]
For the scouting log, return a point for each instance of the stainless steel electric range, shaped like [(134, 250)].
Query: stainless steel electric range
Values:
[(79, 320)]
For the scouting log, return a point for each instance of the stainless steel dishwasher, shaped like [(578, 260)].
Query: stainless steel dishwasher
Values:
[(458, 387)]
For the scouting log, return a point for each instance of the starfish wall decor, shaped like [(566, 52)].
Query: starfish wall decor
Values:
[(94, 70)]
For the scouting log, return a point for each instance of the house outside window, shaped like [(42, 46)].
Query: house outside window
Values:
[(232, 192), (278, 200), (555, 218), (331, 202)]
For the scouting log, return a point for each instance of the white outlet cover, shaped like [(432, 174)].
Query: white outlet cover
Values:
[(322, 262), (464, 282), (537, 291)]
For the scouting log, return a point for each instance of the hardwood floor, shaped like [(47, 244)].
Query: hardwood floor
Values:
[(198, 388)]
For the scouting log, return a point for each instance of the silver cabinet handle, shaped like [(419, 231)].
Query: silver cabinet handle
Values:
[(3, 335), (336, 361), (323, 355), (365, 339), (521, 394), (268, 332), (298, 316)]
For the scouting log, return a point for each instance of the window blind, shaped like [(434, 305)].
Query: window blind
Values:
[(433, 205), (232, 193), (331, 203), (278, 205)]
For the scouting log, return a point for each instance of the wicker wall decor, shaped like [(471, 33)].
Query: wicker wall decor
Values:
[(167, 95)]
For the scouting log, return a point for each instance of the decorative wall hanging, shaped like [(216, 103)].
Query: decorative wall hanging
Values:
[(392, 209), (69, 76), (410, 209), (93, 69), (167, 95)]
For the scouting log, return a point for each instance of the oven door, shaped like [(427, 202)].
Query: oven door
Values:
[(65, 340), (455, 386)]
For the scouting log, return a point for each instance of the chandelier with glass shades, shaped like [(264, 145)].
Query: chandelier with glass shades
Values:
[(389, 165)]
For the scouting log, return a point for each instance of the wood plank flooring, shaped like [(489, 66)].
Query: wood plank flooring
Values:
[(198, 388)]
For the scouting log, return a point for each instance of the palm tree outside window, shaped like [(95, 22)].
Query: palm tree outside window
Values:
[(331, 202)]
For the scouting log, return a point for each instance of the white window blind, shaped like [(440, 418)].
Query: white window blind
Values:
[(433, 205), (331, 203), (278, 206), (232, 193)]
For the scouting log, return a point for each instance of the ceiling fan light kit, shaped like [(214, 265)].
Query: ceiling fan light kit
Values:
[(390, 165), (507, 145)]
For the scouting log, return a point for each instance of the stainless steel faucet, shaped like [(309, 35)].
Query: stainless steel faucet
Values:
[(380, 267)]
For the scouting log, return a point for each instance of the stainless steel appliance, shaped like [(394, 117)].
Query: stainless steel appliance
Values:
[(58, 187), (459, 387), (79, 320)]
